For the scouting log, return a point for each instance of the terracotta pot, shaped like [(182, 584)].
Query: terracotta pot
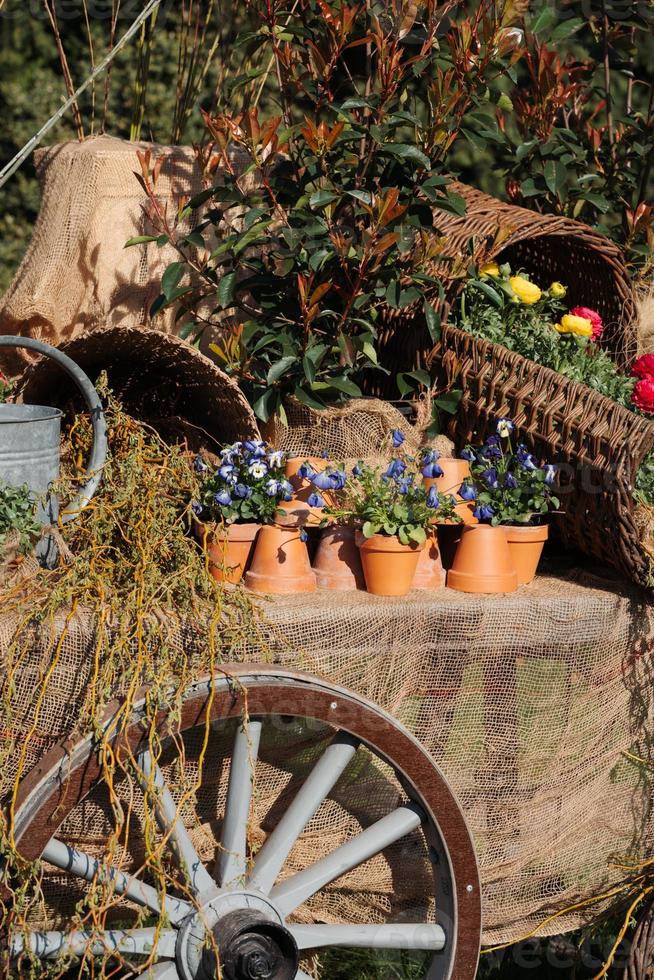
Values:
[(389, 567), (338, 563), (455, 471), (229, 548), (526, 545), (430, 573), (482, 562), (280, 564), (302, 490)]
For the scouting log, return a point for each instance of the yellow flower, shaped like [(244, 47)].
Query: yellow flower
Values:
[(558, 290), (490, 269), (526, 291), (578, 325)]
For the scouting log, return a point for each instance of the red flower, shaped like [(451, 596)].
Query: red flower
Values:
[(643, 367), (593, 316), (643, 395)]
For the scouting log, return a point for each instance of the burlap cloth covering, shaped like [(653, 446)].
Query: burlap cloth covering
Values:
[(528, 702)]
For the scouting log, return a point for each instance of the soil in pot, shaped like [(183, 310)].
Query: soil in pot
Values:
[(455, 471), (280, 564), (337, 563), (389, 566), (229, 548), (482, 562), (430, 573), (526, 543)]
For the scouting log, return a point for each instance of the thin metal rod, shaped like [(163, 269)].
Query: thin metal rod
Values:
[(168, 818), (50, 945), (84, 866), (332, 764), (389, 935), (232, 865), (10, 168), (292, 892)]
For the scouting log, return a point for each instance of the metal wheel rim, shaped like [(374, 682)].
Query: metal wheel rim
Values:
[(41, 807)]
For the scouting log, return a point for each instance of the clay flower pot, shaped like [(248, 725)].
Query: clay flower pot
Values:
[(280, 564), (389, 566), (526, 545), (455, 471), (482, 562), (430, 573), (228, 547), (338, 563)]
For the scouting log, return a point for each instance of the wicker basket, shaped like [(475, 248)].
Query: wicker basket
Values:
[(547, 247), (597, 444)]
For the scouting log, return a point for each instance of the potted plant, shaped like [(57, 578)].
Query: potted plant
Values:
[(512, 492), (393, 515), (238, 496)]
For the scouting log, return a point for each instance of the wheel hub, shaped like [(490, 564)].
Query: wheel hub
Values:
[(246, 932)]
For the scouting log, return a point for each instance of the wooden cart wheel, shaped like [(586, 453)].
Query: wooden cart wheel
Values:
[(239, 907)]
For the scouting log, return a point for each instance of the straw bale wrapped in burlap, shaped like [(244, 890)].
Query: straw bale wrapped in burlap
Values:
[(529, 703)]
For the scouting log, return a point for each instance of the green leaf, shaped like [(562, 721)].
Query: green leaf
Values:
[(418, 535), (195, 238), (320, 199), (549, 173), (433, 322), (263, 406), (171, 278), (369, 529), (227, 289), (406, 151), (279, 368), (140, 240), (449, 402), (346, 386)]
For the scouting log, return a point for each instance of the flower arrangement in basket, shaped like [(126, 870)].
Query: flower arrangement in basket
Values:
[(605, 444)]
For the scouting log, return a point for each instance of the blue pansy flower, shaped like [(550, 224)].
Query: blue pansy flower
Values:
[(404, 484), (255, 447), (525, 458), (429, 456), (199, 465), (489, 477), (223, 498), (356, 470), (505, 427), (396, 469), (315, 500), (225, 471), (258, 469), (276, 458), (196, 507), (484, 512), (285, 486), (272, 488), (431, 471), (306, 471), (339, 479), (468, 455), (303, 535), (323, 480), (398, 438), (467, 491), (433, 498), (242, 492), (550, 471), (510, 482)]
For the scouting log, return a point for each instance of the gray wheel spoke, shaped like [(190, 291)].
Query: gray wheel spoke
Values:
[(292, 892), (171, 824), (271, 858), (84, 866), (389, 935), (232, 864), (50, 945)]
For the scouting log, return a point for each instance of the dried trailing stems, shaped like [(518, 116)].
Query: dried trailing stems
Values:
[(153, 617)]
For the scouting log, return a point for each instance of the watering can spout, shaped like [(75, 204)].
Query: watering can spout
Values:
[(30, 436)]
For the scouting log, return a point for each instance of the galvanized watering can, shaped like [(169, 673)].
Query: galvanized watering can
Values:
[(29, 445)]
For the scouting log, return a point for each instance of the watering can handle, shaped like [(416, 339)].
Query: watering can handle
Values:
[(92, 399)]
